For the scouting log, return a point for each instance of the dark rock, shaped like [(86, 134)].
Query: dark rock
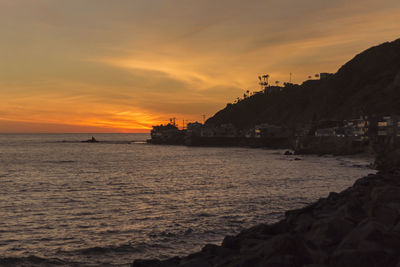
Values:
[(156, 263), (173, 261), (357, 227), (371, 235), (384, 194), (293, 215), (245, 261), (91, 140), (388, 160), (210, 248), (384, 214), (329, 231), (396, 228), (333, 196), (285, 244), (352, 209), (288, 153), (361, 258), (146, 263), (303, 222), (282, 261), (196, 262), (231, 242), (214, 250)]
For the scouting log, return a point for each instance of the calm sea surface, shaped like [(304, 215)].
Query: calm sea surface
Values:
[(91, 204)]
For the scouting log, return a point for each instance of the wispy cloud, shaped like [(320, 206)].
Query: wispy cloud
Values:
[(137, 63)]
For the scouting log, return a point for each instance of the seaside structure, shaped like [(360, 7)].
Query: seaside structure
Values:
[(266, 130), (357, 128), (166, 134), (194, 128), (326, 132), (388, 125), (323, 137)]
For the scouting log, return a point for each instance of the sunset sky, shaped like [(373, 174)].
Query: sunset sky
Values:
[(124, 65)]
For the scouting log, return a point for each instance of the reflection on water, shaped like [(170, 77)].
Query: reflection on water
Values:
[(112, 202)]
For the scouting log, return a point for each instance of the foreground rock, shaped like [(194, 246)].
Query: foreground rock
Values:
[(357, 227), (388, 160)]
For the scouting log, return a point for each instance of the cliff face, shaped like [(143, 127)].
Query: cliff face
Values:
[(357, 227), (367, 84)]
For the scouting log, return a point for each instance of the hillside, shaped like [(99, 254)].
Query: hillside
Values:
[(368, 84)]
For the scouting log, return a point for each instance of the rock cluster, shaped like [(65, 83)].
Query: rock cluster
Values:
[(357, 227), (388, 160)]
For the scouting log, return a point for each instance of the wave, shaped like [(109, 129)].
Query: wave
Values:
[(31, 261), (60, 161), (168, 234), (108, 249), (205, 214), (102, 142)]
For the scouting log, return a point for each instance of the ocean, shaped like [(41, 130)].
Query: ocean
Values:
[(71, 203)]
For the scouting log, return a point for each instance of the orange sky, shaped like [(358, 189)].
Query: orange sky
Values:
[(122, 66)]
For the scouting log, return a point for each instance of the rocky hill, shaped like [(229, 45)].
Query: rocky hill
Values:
[(368, 84)]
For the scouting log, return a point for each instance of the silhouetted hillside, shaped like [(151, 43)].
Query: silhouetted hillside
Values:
[(368, 84)]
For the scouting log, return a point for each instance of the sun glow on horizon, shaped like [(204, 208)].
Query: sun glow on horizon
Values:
[(69, 66)]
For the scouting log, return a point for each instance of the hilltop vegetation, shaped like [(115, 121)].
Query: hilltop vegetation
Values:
[(368, 84)]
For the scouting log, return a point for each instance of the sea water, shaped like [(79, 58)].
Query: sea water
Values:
[(108, 203)]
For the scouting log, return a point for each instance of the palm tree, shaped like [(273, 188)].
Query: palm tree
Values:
[(266, 76)]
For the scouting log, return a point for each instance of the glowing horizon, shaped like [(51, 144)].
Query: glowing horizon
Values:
[(74, 66)]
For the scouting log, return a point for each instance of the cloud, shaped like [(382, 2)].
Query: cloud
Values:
[(137, 63), (9, 126)]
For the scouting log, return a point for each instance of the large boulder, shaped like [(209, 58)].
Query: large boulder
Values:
[(388, 160)]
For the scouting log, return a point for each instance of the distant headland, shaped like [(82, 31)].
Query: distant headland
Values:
[(355, 110)]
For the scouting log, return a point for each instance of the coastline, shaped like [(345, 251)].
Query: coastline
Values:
[(317, 145), (242, 198), (358, 227)]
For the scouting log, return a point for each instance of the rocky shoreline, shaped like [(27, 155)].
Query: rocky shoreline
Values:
[(357, 227)]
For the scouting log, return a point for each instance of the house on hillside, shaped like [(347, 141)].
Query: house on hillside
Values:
[(160, 131), (389, 126), (398, 129), (266, 130), (166, 134), (327, 128), (304, 130), (224, 130), (326, 132), (227, 130), (194, 128), (358, 128)]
